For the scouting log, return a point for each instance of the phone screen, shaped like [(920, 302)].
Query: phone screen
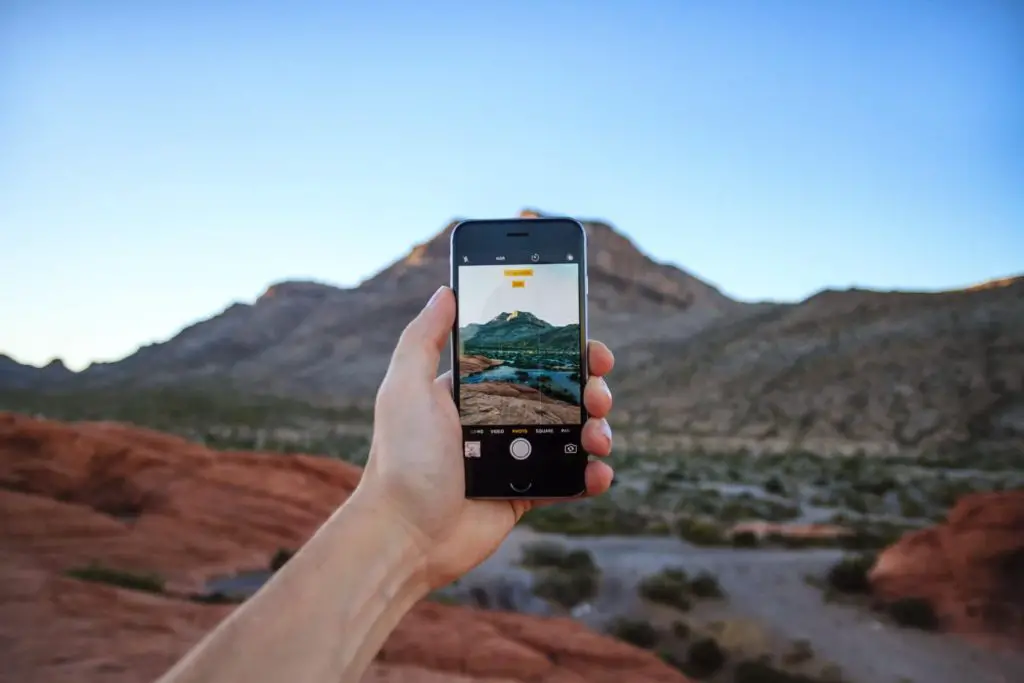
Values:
[(519, 352)]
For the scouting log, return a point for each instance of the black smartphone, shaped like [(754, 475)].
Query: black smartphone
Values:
[(519, 355)]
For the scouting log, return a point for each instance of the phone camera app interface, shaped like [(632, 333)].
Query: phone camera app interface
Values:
[(519, 346)]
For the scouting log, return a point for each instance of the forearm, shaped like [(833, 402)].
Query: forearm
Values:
[(324, 615)]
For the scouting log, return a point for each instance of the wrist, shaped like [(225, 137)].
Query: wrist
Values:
[(400, 545)]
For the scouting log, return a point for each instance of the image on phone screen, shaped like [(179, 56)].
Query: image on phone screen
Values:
[(519, 344)]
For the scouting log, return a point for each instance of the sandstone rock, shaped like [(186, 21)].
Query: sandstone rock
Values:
[(971, 567), (131, 499)]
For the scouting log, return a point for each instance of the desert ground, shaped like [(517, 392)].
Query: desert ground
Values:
[(766, 532)]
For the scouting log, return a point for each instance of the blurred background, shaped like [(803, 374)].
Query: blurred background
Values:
[(806, 228)]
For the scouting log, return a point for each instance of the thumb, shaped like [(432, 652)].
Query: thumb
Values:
[(419, 348)]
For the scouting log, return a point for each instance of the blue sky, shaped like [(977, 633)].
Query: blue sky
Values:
[(550, 292), (163, 159)]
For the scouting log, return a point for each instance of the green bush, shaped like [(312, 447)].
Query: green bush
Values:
[(543, 554), (566, 588), (705, 585), (704, 657), (149, 583), (775, 486), (280, 558), (681, 630), (634, 631), (850, 574), (668, 587), (913, 613), (594, 517), (745, 539), (700, 532)]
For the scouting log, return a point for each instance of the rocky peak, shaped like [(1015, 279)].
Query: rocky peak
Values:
[(298, 289), (521, 316)]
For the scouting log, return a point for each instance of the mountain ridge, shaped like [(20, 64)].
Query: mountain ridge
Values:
[(843, 370)]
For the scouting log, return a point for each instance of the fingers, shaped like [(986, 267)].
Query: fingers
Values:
[(597, 398), (418, 352), (599, 477), (597, 437), (600, 359)]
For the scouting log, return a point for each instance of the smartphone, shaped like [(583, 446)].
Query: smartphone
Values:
[(519, 355)]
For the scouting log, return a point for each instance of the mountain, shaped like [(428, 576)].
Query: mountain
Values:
[(880, 372), (855, 370), (331, 344), (519, 329), (15, 375)]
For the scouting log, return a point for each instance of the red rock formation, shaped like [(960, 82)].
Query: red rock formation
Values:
[(139, 500), (971, 568)]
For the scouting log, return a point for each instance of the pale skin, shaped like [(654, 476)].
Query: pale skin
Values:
[(406, 530)]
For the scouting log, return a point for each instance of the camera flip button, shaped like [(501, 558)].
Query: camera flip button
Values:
[(520, 449)]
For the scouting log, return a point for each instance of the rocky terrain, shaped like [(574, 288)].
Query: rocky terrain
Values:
[(842, 372), (110, 533), (971, 566), (490, 403), (856, 370), (120, 547), (469, 365)]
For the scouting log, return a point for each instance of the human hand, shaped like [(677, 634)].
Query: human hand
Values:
[(415, 477)]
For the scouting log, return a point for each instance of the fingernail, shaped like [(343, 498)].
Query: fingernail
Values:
[(606, 429), (435, 297), (604, 386)]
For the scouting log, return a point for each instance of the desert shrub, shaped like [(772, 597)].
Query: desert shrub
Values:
[(546, 554), (794, 542), (705, 585), (913, 613), (745, 539), (704, 657), (543, 554), (634, 631), (280, 558), (150, 583), (668, 587), (774, 485), (850, 574), (566, 588), (700, 532), (595, 517), (681, 630), (580, 560), (567, 578)]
